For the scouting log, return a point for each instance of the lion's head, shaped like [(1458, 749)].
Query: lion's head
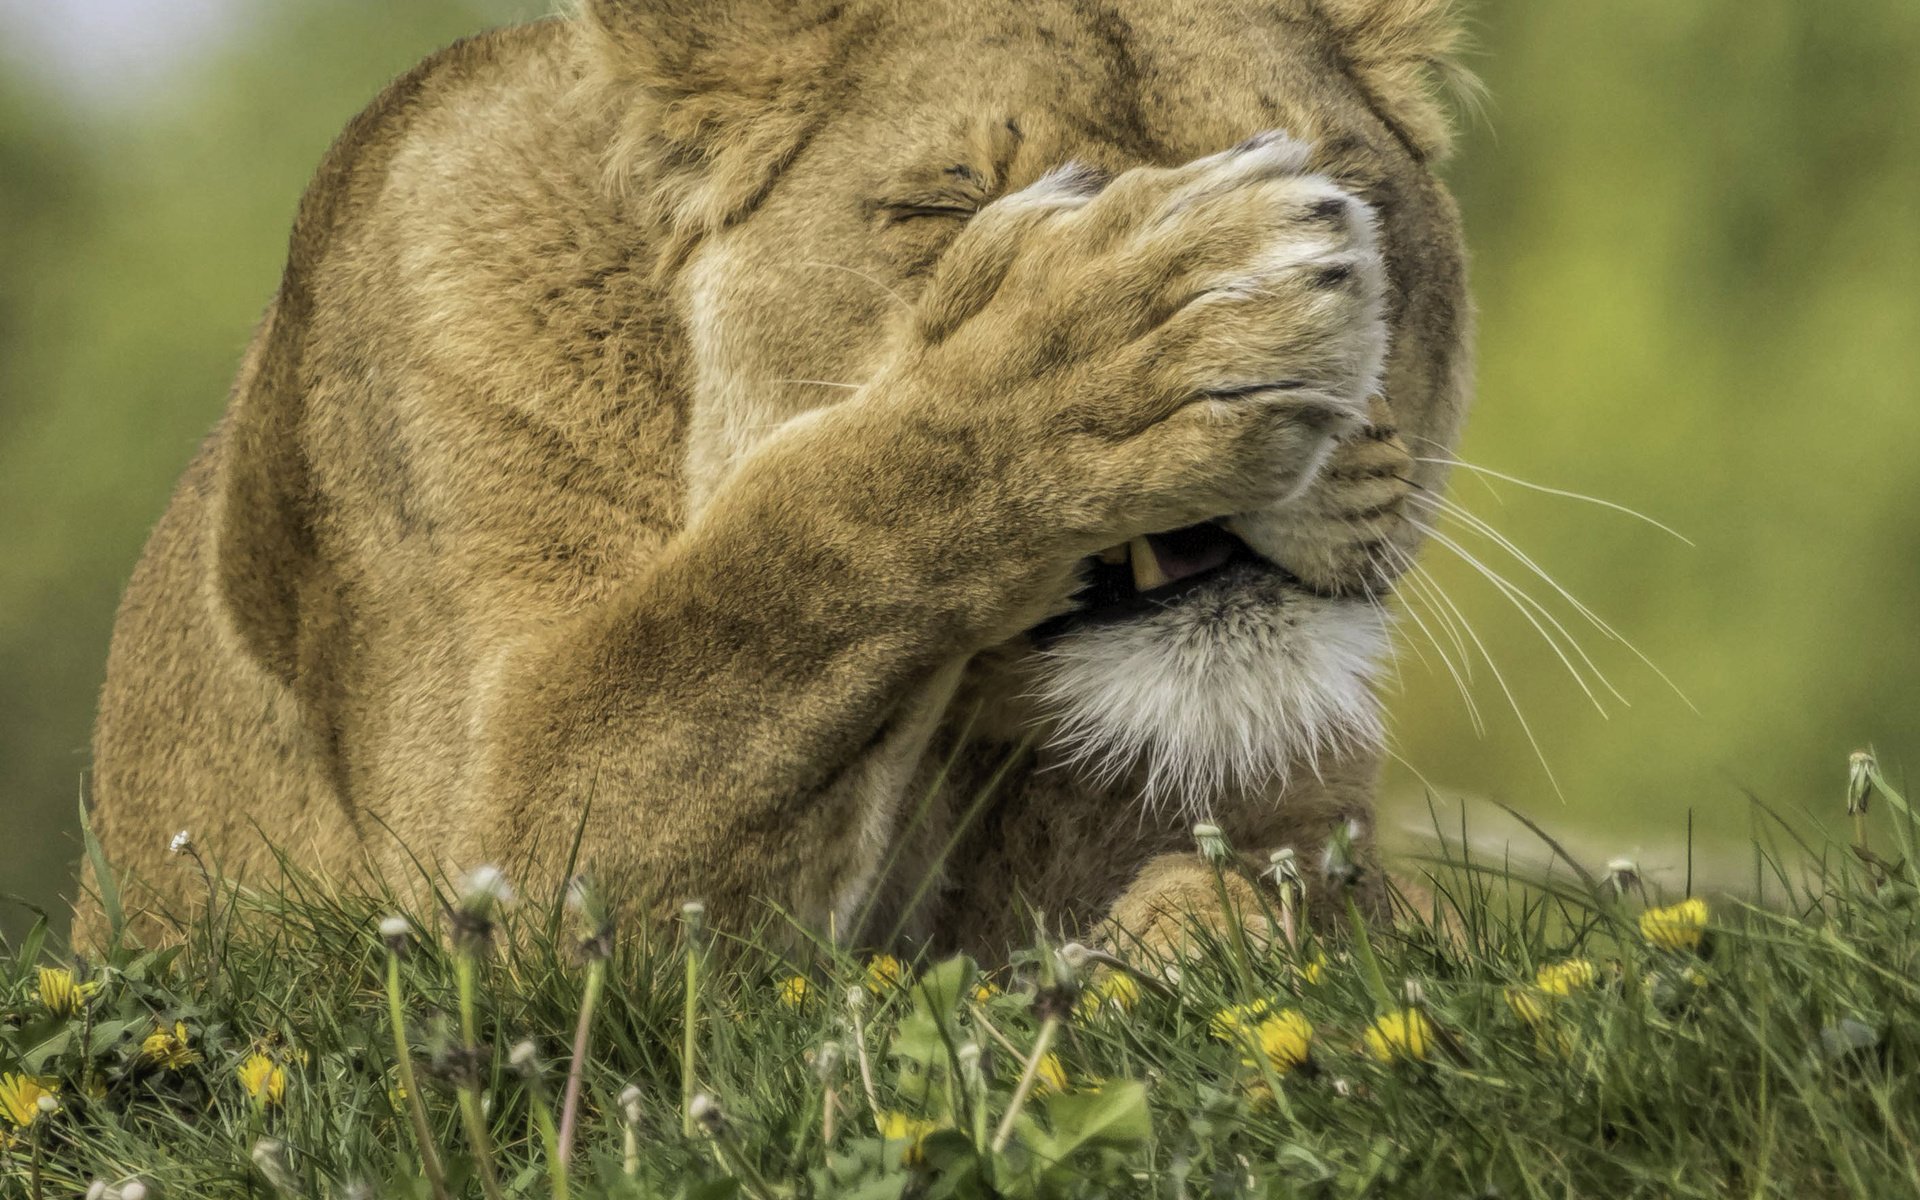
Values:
[(810, 161)]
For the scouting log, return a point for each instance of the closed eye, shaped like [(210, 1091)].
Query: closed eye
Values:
[(897, 213)]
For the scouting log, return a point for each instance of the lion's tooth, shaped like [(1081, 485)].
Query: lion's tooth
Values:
[(1113, 556), (1147, 574)]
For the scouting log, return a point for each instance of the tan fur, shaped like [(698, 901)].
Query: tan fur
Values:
[(617, 458)]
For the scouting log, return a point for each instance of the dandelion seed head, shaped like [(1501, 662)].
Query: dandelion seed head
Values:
[(485, 886)]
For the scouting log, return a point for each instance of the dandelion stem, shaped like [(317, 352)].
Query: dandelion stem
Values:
[(690, 1022), (549, 1139), (630, 1132), (1041, 1044), (1363, 950), (410, 1089), (1242, 955), (470, 1113), (866, 1065), (35, 1163), (576, 1070)]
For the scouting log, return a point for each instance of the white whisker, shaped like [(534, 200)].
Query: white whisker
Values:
[(1561, 492), (1591, 617), (1459, 682), (852, 387), (1520, 600), (897, 297)]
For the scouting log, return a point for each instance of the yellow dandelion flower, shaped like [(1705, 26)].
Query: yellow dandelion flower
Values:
[(1051, 1076), (62, 994), (794, 991), (1116, 988), (1676, 927), (985, 990), (264, 1079), (1230, 1024), (899, 1127), (20, 1097), (1553, 1041), (1120, 990), (1405, 1035), (884, 973), (1529, 1004), (1565, 977), (1314, 970), (168, 1048), (1284, 1041)]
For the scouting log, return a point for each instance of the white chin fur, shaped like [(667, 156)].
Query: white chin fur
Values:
[(1224, 690)]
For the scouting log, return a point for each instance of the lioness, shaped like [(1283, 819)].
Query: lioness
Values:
[(892, 460)]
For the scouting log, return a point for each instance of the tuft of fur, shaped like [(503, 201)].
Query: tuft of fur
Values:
[(1404, 54), (713, 100), (1223, 692)]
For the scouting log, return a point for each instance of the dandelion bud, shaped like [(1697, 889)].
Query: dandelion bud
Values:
[(1415, 992), (182, 843), (270, 1158), (1336, 862), (707, 1114), (482, 892), (1860, 771), (525, 1059), (826, 1064), (134, 1190), (1283, 867), (484, 889), (47, 1104), (630, 1104), (1212, 843), (596, 928), (1623, 873), (694, 915), (397, 932), (97, 1190)]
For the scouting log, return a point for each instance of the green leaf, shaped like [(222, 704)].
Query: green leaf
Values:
[(919, 1038), (34, 1061), (938, 991), (106, 1033), (30, 947), (1115, 1117), (103, 881)]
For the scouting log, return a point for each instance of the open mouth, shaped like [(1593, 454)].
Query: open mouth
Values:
[(1153, 571)]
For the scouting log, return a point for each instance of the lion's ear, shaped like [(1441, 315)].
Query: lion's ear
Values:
[(712, 96), (1403, 53)]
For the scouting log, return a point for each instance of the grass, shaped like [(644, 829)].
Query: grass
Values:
[(1556, 1040)]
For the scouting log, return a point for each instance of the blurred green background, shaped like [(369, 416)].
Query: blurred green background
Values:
[(1696, 230)]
